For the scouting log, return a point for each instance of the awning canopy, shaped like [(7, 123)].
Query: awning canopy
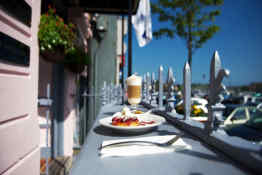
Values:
[(104, 6)]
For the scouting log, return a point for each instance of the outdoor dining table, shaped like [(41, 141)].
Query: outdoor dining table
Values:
[(199, 160)]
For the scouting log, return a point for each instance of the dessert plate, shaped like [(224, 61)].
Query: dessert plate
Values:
[(158, 120)]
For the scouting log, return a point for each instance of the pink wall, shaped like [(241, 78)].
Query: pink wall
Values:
[(45, 76), (19, 131)]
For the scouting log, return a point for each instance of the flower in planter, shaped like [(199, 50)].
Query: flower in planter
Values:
[(54, 34)]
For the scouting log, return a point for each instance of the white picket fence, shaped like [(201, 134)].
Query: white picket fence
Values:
[(114, 94)]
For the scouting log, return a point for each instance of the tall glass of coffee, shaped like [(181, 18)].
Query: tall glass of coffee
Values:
[(134, 90)]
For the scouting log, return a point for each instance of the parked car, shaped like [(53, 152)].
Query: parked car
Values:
[(245, 122), (239, 115), (258, 100), (259, 106), (229, 108), (233, 100)]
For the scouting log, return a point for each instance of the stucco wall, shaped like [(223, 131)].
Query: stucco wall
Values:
[(69, 112), (45, 77)]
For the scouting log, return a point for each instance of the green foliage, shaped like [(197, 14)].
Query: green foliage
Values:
[(200, 86), (190, 19), (77, 56), (54, 33)]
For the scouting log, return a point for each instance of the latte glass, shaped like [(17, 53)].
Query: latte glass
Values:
[(134, 84)]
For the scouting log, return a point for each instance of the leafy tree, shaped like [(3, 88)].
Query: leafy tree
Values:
[(190, 19)]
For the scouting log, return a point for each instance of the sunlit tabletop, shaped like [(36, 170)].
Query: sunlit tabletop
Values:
[(198, 161)]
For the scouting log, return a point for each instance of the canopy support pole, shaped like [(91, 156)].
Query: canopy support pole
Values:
[(130, 38)]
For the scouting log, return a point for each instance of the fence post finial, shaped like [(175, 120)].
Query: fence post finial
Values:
[(160, 89), (153, 91), (148, 82), (187, 91), (170, 96), (217, 74)]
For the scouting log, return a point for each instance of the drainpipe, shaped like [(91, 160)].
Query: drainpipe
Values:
[(57, 139), (122, 57)]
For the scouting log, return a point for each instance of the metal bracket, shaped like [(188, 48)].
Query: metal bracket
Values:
[(45, 102)]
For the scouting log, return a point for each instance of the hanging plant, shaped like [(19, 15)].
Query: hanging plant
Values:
[(76, 60), (56, 38)]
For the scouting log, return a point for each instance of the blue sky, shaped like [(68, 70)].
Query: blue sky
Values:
[(239, 44)]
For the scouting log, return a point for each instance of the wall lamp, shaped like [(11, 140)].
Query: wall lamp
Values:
[(98, 29)]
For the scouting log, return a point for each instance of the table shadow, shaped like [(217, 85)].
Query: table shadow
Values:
[(109, 113), (138, 108), (101, 130), (216, 158), (182, 134)]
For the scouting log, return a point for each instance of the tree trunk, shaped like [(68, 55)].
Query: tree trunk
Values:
[(190, 54), (189, 47)]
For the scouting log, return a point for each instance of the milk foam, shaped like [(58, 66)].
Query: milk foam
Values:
[(134, 80)]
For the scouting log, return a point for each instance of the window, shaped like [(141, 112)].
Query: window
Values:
[(240, 114), (20, 11), (255, 118), (13, 51)]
